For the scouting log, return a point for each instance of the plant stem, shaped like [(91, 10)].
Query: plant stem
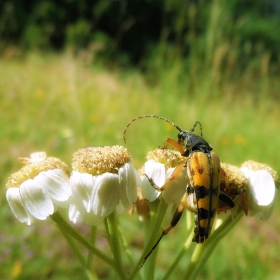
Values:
[(63, 225), (92, 241), (152, 239), (203, 251), (125, 246), (74, 247), (113, 234), (183, 251), (149, 268)]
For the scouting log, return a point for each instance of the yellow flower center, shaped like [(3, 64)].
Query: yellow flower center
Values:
[(236, 178), (98, 160), (31, 170), (169, 158)]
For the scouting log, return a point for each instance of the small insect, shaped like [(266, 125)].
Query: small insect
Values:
[(204, 171)]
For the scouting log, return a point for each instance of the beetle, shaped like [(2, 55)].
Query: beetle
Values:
[(204, 171)]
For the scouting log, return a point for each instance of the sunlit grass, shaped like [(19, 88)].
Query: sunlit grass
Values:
[(59, 104)]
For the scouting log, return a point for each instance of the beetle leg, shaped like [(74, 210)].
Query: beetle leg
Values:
[(174, 144), (173, 176), (224, 183), (175, 219), (225, 201), (178, 213), (244, 203)]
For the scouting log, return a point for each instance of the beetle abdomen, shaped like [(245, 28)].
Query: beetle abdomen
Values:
[(204, 171)]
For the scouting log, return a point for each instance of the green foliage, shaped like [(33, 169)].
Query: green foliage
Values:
[(133, 29), (78, 34), (57, 104)]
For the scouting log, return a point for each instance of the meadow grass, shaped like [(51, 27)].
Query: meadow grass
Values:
[(59, 103)]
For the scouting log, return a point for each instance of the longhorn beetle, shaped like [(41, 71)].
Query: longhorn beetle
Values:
[(204, 171)]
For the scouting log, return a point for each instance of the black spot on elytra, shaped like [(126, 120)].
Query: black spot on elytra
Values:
[(205, 214), (201, 169), (202, 213), (201, 192)]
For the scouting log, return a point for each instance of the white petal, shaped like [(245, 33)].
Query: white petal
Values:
[(77, 216), (176, 188), (263, 188), (82, 185), (191, 202), (106, 195), (36, 201), (138, 183), (245, 171), (17, 207), (128, 185), (148, 191), (120, 209), (138, 178), (156, 172), (261, 193), (74, 214), (56, 184), (34, 157)]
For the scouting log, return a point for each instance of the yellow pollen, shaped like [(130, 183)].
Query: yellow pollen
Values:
[(169, 158), (31, 170), (98, 160), (235, 177)]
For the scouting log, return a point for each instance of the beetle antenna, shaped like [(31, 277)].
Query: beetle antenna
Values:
[(149, 116), (196, 123)]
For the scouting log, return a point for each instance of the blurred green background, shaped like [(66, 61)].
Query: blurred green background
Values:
[(74, 73)]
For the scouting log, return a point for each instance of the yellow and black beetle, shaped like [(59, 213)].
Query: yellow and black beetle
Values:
[(204, 171)]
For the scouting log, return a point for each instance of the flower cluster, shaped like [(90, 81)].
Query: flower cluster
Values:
[(252, 187), (39, 188), (103, 184), (102, 180)]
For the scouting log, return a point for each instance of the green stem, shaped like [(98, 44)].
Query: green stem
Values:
[(183, 251), (91, 275), (192, 267), (92, 241), (152, 239), (125, 246), (63, 225), (203, 251), (149, 268), (113, 234), (188, 247), (74, 247)]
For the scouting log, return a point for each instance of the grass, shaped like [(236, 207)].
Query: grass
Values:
[(58, 103)]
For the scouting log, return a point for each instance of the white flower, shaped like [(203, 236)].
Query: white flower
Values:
[(159, 168), (103, 179), (261, 192), (39, 188)]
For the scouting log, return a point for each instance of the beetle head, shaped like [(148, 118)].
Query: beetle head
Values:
[(193, 143)]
